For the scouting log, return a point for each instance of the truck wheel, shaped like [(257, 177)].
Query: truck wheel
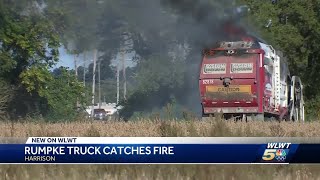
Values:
[(203, 114)]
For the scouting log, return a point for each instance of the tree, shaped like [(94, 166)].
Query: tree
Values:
[(157, 80), (30, 35), (5, 97), (27, 39), (62, 101), (294, 30)]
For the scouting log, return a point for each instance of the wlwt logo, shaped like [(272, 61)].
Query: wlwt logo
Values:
[(281, 155), (276, 152)]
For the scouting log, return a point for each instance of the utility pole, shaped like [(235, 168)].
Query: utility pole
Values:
[(99, 63), (84, 69), (76, 73), (118, 87), (93, 80), (75, 65), (124, 76)]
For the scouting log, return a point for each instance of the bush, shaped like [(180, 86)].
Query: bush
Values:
[(5, 97), (312, 109)]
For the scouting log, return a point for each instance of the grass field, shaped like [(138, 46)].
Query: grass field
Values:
[(160, 128)]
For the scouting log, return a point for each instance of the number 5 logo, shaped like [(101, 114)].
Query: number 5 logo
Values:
[(269, 154)]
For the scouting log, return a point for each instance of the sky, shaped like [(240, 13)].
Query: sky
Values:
[(67, 60)]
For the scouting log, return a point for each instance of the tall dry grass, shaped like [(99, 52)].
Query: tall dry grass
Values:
[(160, 128), (150, 128)]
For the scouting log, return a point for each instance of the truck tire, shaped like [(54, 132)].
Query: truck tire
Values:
[(203, 114)]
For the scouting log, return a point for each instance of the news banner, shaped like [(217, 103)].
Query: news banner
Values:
[(159, 150)]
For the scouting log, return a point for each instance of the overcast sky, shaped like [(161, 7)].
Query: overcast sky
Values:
[(67, 60), (64, 59)]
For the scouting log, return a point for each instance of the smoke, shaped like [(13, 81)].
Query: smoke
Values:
[(204, 20), (202, 23), (160, 26), (192, 24)]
